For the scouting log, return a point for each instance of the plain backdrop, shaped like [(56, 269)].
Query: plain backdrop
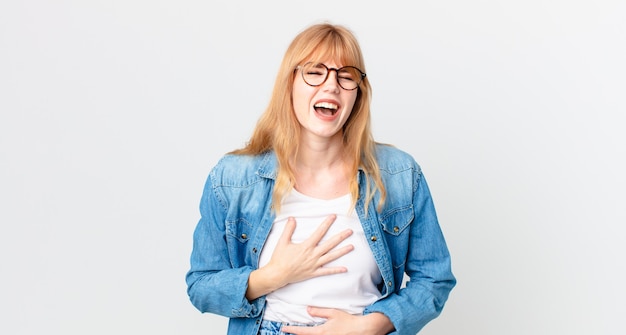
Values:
[(113, 112)]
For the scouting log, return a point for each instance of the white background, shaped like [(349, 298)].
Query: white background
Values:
[(113, 112)]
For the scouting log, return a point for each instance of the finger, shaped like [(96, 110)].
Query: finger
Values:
[(335, 254), (326, 313), (290, 227), (297, 330), (321, 230), (334, 241), (327, 271)]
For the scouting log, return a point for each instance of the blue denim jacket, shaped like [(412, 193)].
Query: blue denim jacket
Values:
[(236, 218)]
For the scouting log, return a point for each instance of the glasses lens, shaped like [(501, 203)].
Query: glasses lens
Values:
[(314, 74), (349, 77)]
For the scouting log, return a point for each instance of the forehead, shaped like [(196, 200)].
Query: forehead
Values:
[(331, 56)]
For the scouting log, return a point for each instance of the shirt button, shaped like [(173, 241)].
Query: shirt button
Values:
[(396, 229), (244, 236), (389, 283), (373, 238), (254, 250)]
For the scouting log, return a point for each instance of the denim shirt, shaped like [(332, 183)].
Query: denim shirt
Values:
[(405, 238)]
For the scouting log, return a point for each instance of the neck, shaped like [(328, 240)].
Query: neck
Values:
[(320, 154), (321, 169)]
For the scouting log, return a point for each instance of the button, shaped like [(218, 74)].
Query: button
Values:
[(254, 250), (244, 236), (373, 238), (258, 321), (389, 283), (396, 229)]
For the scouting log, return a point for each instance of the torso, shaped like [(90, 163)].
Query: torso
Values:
[(351, 291)]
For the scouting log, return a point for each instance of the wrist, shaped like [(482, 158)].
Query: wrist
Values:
[(378, 323), (263, 281), (273, 278)]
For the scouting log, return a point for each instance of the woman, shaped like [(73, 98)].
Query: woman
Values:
[(311, 227)]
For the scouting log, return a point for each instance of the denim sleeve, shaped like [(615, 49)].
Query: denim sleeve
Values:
[(213, 285), (427, 266)]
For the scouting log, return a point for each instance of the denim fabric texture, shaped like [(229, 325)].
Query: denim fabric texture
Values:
[(271, 328), (274, 327), (405, 237)]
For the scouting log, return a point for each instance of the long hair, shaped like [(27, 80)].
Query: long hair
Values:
[(278, 127)]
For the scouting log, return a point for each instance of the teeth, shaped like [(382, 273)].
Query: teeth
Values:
[(326, 105)]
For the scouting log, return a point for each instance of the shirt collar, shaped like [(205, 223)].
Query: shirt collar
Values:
[(269, 165)]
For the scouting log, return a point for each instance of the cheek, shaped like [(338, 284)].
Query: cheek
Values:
[(300, 98), (349, 103)]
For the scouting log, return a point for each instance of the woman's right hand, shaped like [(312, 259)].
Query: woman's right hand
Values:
[(295, 262)]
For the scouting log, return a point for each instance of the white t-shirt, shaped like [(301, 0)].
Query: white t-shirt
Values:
[(351, 291)]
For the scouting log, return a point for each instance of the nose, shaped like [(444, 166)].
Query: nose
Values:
[(332, 81)]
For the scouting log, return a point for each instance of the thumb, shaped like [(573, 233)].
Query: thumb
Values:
[(320, 312)]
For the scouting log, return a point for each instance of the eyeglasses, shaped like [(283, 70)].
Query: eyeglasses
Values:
[(315, 74)]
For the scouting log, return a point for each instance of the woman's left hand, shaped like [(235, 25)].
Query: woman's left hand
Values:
[(342, 323)]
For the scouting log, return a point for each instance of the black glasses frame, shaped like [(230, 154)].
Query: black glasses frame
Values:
[(328, 69)]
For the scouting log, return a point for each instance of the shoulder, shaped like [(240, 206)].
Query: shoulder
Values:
[(394, 160), (242, 170)]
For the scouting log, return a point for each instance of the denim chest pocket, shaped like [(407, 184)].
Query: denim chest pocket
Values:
[(395, 224), (238, 229), (395, 221), (237, 237)]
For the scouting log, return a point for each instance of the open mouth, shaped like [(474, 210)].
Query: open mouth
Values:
[(326, 108)]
